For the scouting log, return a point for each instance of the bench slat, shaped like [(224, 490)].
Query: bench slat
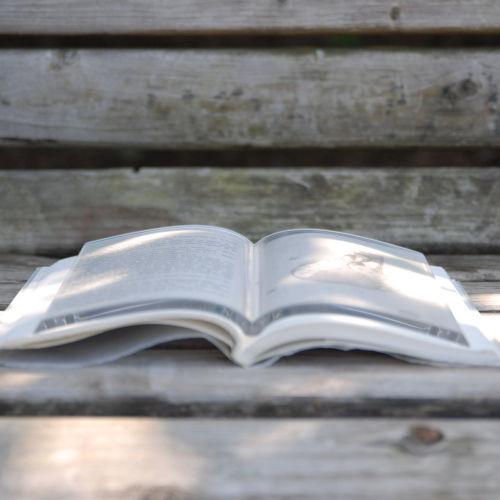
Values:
[(472, 270), (432, 209), (217, 99), (204, 383), (69, 17), (16, 268), (81, 458), (485, 295), (469, 267)]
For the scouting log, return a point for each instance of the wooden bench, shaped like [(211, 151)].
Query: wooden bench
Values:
[(160, 113)]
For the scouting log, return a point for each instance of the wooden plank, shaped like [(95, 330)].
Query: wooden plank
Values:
[(138, 459), (469, 267), (190, 383), (14, 272), (472, 270), (16, 269), (69, 17), (250, 98), (486, 295), (431, 209)]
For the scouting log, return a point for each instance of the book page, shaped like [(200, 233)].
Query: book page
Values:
[(178, 267), (315, 271)]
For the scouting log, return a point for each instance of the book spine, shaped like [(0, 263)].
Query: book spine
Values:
[(253, 283)]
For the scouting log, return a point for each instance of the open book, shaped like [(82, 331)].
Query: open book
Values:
[(293, 290)]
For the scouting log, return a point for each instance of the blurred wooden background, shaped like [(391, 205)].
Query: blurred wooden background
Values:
[(368, 116)]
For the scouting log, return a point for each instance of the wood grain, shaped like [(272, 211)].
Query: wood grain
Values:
[(143, 459), (190, 383), (431, 209), (486, 294), (135, 17), (14, 272), (215, 99), (480, 268)]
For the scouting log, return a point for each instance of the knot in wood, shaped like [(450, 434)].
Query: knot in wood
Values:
[(426, 435), (468, 87), (423, 440), (395, 13)]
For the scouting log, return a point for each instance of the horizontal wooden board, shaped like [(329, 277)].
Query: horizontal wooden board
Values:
[(431, 209), (485, 295), (14, 272), (479, 268), (70, 17), (189, 383), (216, 99), (472, 270), (139, 459), (17, 268)]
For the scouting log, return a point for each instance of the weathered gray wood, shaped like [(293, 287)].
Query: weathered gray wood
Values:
[(238, 98), (472, 270), (204, 383), (469, 267), (485, 294), (139, 459), (259, 16), (15, 268), (479, 274), (432, 209), (14, 272)]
